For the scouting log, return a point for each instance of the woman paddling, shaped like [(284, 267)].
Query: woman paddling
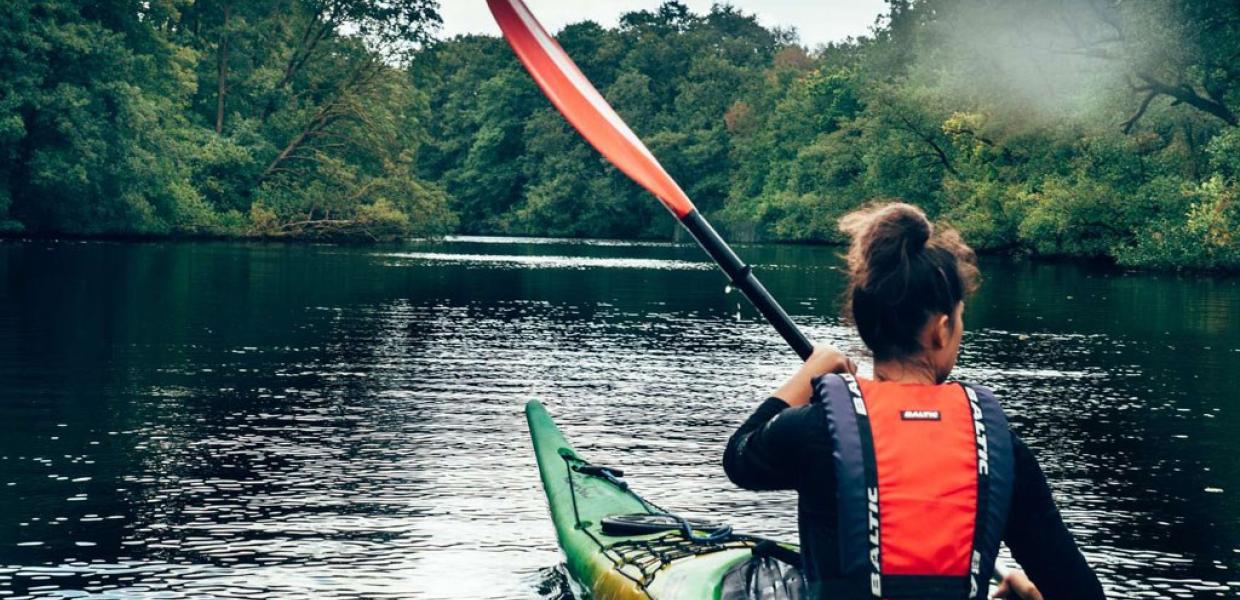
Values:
[(906, 483)]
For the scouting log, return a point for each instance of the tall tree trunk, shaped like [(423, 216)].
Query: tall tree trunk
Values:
[(221, 89)]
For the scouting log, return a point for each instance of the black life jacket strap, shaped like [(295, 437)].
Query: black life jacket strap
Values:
[(995, 480), (856, 471), (925, 587)]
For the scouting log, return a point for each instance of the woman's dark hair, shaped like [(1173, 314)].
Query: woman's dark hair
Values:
[(901, 271)]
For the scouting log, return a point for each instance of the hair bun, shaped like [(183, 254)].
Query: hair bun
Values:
[(907, 224), (883, 234)]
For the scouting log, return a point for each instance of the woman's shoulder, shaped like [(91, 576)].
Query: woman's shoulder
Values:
[(981, 387)]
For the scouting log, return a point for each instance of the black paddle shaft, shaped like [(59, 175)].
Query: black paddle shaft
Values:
[(743, 279)]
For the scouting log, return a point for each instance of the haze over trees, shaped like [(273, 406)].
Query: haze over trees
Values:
[(1095, 128)]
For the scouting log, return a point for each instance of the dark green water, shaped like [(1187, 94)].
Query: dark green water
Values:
[(244, 420)]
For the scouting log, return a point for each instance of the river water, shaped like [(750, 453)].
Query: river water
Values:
[(217, 420)]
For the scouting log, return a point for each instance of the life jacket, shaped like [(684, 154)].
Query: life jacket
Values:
[(924, 476)]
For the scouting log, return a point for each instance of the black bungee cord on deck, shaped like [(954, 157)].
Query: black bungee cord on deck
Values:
[(718, 532)]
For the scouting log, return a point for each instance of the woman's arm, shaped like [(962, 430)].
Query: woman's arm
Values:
[(763, 453), (1039, 539)]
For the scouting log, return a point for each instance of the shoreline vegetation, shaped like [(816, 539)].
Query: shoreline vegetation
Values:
[(1096, 131), (1100, 262)]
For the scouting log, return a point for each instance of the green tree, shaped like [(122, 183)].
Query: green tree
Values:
[(1101, 129), (173, 117)]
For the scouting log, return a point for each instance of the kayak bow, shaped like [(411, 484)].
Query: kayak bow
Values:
[(613, 544)]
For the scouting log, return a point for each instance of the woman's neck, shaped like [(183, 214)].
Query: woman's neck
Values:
[(905, 371)]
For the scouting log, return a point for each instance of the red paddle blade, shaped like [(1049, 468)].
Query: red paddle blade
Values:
[(582, 105)]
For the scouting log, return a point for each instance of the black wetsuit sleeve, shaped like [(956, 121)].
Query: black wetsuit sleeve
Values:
[(1039, 539), (762, 453)]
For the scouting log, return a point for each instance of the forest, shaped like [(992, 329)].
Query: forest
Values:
[(1095, 129)]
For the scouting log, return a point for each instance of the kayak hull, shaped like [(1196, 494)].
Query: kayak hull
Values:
[(615, 567)]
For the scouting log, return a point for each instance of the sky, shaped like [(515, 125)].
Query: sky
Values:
[(817, 21)]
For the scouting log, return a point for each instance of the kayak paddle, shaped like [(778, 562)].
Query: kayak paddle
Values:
[(584, 107)]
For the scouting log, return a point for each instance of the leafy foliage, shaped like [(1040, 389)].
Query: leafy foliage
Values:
[(180, 117), (1093, 129)]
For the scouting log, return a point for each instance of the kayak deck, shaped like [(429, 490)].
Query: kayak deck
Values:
[(621, 565)]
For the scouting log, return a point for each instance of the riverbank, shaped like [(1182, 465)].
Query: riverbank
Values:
[(1013, 253)]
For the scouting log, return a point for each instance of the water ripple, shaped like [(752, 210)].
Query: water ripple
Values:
[(311, 423)]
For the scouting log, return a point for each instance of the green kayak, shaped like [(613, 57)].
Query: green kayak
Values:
[(619, 546)]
